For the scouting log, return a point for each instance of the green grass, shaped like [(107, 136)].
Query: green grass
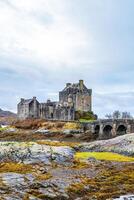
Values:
[(104, 156), (86, 120), (3, 129)]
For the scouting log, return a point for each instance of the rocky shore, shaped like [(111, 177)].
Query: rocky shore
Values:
[(64, 169)]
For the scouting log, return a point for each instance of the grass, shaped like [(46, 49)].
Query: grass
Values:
[(86, 120), (3, 128), (104, 156)]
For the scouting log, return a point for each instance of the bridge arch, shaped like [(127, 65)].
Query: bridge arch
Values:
[(107, 132), (121, 130)]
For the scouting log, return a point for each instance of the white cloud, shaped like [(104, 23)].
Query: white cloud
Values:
[(49, 42), (24, 37)]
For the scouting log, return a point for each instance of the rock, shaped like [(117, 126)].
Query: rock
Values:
[(126, 197), (45, 131), (72, 131), (10, 130), (93, 160), (33, 152), (122, 145), (13, 179)]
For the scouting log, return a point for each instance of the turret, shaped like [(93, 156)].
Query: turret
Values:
[(81, 84), (22, 100)]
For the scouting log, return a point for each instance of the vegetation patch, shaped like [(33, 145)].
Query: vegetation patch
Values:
[(79, 164), (42, 177), (85, 115), (15, 168), (71, 125), (110, 182), (86, 120), (3, 129), (57, 143), (104, 156)]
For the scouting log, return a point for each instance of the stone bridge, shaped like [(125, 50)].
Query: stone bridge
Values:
[(109, 128)]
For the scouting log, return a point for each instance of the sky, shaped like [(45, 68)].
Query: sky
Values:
[(46, 43)]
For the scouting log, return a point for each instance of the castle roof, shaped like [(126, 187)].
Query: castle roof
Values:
[(27, 101), (76, 87)]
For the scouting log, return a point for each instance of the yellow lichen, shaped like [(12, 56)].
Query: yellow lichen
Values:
[(104, 156)]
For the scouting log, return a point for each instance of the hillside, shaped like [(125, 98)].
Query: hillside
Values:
[(4, 113)]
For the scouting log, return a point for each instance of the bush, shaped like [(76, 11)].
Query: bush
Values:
[(85, 115)]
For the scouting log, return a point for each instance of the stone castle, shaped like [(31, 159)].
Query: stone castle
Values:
[(74, 97)]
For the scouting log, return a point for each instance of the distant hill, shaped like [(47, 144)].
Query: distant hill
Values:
[(4, 113)]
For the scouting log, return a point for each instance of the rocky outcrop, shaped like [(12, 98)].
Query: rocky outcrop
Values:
[(32, 152), (122, 144)]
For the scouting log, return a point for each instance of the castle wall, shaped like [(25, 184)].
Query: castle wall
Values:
[(74, 97), (83, 103), (64, 113), (34, 109), (46, 111), (23, 111)]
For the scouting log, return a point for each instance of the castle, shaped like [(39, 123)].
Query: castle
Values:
[(74, 97)]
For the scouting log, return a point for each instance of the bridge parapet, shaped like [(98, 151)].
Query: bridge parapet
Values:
[(108, 128)]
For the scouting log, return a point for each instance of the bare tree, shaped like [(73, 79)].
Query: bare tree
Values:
[(108, 116), (116, 114), (126, 115), (119, 115)]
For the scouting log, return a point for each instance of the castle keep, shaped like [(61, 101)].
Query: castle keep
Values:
[(74, 97)]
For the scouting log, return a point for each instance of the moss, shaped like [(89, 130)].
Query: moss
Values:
[(57, 143), (86, 120), (71, 125), (78, 164), (42, 177), (85, 115), (38, 194), (104, 156), (109, 183), (3, 129), (26, 197), (15, 167)]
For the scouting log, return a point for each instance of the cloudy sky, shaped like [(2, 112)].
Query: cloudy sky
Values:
[(46, 43)]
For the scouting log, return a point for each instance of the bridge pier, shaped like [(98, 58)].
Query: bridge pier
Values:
[(114, 130), (101, 131), (128, 128)]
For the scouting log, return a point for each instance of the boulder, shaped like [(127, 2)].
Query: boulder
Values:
[(33, 152)]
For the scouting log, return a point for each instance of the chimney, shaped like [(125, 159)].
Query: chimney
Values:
[(48, 101), (22, 100), (68, 84), (34, 98), (81, 83)]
